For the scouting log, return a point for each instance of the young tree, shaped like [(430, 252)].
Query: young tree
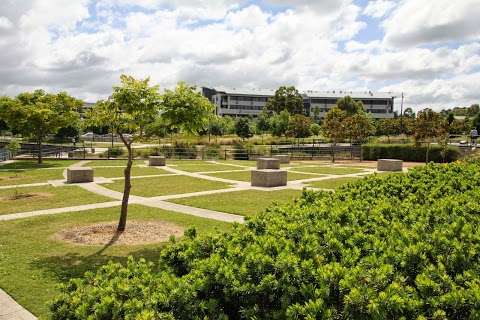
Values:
[(262, 124), (349, 106), (279, 123), (388, 127), (216, 127), (186, 109), (286, 98), (358, 127), (408, 112), (333, 127), (428, 125), (299, 126), (38, 114), (132, 104), (315, 128), (243, 129)]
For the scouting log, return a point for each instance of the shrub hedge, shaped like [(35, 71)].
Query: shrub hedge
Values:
[(409, 152), (401, 246)]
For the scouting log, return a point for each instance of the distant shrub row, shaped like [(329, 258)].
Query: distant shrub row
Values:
[(409, 152), (403, 246)]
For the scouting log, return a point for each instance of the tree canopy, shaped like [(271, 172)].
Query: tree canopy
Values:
[(286, 98), (350, 106), (186, 109), (38, 114)]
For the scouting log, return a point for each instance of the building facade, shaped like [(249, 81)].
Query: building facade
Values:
[(239, 103)]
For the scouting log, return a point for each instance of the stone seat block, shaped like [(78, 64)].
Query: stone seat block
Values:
[(268, 163), (79, 175), (268, 178), (156, 161), (389, 165), (284, 158)]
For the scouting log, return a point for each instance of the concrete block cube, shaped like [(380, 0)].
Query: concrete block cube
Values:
[(389, 165), (156, 161), (284, 158), (268, 178), (79, 175), (268, 163)]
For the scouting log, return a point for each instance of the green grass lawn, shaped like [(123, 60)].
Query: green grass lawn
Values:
[(136, 171), (245, 175), (32, 164), (45, 197), (106, 163), (32, 263), (15, 177), (328, 170), (246, 203), (199, 166), (160, 186), (332, 183)]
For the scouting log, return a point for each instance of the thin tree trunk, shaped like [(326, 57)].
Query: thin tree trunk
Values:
[(40, 156), (126, 189), (333, 152)]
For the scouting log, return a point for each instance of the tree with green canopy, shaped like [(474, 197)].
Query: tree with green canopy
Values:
[(349, 106), (185, 109), (333, 127), (216, 127), (38, 114), (132, 105), (262, 125), (243, 128), (359, 127), (299, 126), (428, 126), (279, 123), (286, 98), (315, 128)]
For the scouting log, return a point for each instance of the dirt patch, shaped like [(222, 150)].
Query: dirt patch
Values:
[(29, 195), (137, 232)]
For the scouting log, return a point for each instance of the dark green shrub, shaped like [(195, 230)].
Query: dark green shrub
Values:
[(114, 152), (409, 152), (403, 246)]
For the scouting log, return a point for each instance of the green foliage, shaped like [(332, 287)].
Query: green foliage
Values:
[(243, 128), (38, 114), (299, 126), (333, 124), (359, 126), (286, 98), (401, 246), (115, 152), (315, 128), (262, 124), (13, 147), (186, 109), (409, 152), (349, 106), (217, 126), (279, 123)]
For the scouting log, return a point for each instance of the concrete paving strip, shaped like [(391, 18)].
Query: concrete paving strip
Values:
[(11, 310)]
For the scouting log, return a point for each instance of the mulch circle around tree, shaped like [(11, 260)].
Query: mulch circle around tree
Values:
[(137, 232)]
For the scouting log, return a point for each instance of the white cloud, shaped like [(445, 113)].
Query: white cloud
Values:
[(310, 44), (416, 22), (5, 23), (379, 8)]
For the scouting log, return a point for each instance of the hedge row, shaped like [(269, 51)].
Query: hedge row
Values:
[(409, 152), (403, 246)]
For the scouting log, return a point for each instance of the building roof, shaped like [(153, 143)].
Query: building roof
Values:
[(311, 93)]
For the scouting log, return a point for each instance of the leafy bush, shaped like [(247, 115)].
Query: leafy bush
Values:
[(114, 152), (385, 247), (409, 152)]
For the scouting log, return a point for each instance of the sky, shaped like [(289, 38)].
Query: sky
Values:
[(428, 49)]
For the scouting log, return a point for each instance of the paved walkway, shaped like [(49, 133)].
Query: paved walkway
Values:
[(11, 310)]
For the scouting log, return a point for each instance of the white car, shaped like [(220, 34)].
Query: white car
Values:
[(87, 135)]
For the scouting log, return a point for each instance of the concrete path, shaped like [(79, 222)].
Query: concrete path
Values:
[(11, 310)]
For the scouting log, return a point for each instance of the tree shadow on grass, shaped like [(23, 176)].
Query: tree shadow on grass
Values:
[(74, 264)]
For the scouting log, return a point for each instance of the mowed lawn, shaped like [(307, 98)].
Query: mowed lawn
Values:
[(328, 170), (45, 197), (246, 203), (33, 262), (160, 186), (199, 166), (116, 162), (29, 171), (117, 172), (246, 175)]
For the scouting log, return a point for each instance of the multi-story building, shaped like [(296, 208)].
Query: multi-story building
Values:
[(251, 102)]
